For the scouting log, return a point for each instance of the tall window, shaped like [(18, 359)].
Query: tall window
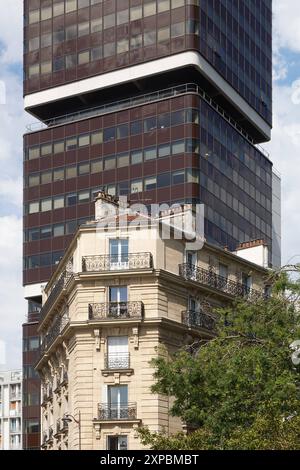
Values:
[(118, 250), (117, 352), (117, 399), (247, 281), (223, 272), (118, 306), (191, 261)]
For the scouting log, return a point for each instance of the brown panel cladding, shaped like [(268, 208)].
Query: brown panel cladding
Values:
[(63, 220), (83, 43)]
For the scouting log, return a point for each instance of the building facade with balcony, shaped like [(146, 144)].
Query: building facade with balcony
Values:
[(11, 410), (107, 81), (109, 309)]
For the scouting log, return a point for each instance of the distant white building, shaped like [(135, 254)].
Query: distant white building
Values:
[(11, 410)]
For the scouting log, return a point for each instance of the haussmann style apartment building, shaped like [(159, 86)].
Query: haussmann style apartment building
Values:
[(110, 307), (161, 101)]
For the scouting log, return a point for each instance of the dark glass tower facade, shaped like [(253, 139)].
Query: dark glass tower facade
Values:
[(163, 101)]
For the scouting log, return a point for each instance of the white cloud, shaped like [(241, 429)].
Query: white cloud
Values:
[(286, 24), (12, 304), (285, 150), (11, 32)]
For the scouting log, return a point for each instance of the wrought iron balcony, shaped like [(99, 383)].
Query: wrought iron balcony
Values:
[(116, 310), (54, 331), (198, 320), (117, 361), (58, 286), (117, 412), (105, 263), (210, 279)]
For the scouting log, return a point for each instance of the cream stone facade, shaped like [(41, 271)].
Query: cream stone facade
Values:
[(121, 296)]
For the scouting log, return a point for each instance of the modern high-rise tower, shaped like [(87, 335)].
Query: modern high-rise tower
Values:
[(163, 101)]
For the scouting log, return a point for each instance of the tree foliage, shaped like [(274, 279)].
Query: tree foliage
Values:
[(240, 389)]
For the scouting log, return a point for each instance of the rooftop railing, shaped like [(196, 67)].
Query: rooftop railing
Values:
[(141, 100)]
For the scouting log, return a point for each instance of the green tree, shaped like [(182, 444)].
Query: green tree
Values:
[(241, 389)]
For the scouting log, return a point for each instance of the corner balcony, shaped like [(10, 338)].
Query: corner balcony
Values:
[(57, 288), (106, 263), (116, 311), (210, 279), (117, 412), (198, 320), (54, 331)]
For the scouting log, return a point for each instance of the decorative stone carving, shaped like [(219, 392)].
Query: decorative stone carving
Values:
[(97, 334), (98, 431), (117, 378), (135, 338)]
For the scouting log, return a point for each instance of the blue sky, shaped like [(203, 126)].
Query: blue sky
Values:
[(284, 149)]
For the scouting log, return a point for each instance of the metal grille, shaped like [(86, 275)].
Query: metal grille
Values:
[(116, 310), (117, 263), (211, 279), (117, 411)]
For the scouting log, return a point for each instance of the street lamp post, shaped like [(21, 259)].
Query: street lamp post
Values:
[(69, 418)]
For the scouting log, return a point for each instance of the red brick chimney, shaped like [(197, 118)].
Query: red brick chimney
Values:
[(251, 244)]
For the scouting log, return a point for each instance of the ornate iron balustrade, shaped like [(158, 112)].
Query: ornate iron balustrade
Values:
[(59, 285), (215, 281), (105, 263), (55, 330), (116, 412), (198, 320), (117, 361), (116, 310)]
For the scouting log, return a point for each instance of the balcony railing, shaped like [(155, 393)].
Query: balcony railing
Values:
[(211, 279), (117, 412), (198, 320), (117, 361), (139, 100), (58, 286), (117, 263), (55, 330), (116, 311)]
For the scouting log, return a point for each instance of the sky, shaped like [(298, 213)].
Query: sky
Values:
[(284, 151)]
